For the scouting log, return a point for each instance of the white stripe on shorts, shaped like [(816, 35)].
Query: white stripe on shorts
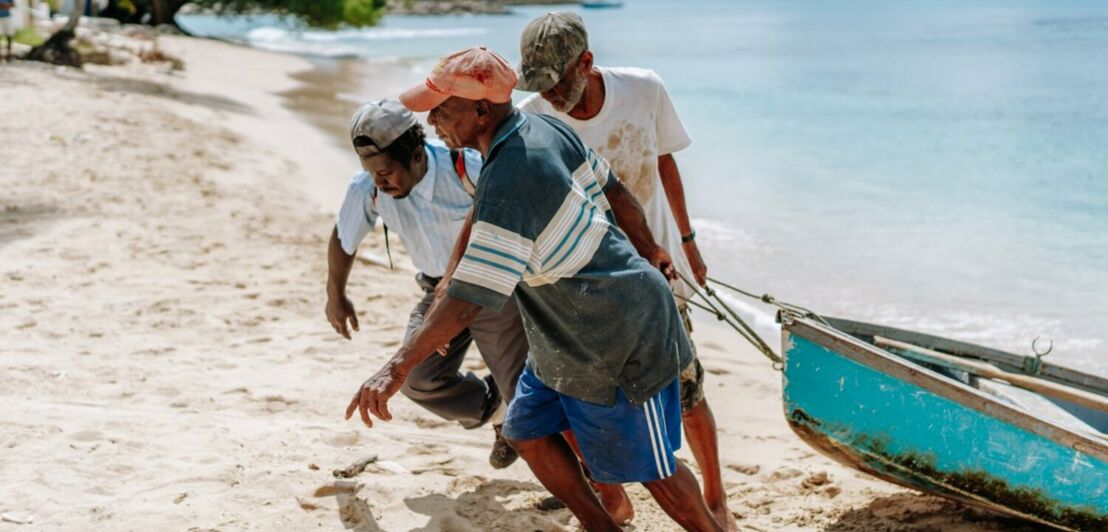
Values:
[(659, 422), (653, 441)]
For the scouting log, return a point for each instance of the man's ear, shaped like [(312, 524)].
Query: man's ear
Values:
[(586, 61), (484, 111)]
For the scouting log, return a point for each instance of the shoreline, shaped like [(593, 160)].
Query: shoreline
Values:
[(169, 364)]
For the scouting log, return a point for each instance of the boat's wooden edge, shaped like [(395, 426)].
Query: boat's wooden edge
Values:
[(875, 358), (1009, 361)]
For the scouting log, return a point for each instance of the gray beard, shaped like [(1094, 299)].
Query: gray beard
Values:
[(574, 96)]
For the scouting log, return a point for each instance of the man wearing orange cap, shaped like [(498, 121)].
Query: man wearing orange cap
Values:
[(606, 338), (626, 115)]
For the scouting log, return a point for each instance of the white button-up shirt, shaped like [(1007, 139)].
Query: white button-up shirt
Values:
[(428, 220)]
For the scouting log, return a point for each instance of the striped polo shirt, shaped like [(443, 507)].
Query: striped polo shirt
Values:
[(598, 316), (428, 220)]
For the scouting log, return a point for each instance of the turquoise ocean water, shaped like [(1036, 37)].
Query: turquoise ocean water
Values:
[(937, 165)]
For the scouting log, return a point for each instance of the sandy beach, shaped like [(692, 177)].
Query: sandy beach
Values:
[(164, 359)]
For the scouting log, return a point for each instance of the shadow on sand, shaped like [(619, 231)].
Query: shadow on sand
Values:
[(356, 514), (917, 512), (481, 509), (18, 222), (125, 85)]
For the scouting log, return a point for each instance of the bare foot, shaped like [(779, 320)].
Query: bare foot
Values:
[(723, 515), (616, 501)]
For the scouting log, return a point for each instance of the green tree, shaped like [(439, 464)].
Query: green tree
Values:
[(317, 13)]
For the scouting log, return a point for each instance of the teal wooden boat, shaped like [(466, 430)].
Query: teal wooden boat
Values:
[(915, 410)]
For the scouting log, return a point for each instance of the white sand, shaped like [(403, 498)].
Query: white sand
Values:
[(164, 359)]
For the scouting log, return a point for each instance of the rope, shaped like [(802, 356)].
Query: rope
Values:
[(770, 300), (731, 318)]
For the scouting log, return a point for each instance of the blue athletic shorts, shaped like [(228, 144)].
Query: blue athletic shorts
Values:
[(621, 443)]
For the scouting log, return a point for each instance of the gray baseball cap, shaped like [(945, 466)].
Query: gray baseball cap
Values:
[(383, 121), (548, 45)]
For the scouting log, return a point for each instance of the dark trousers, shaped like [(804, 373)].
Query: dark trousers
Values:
[(437, 385)]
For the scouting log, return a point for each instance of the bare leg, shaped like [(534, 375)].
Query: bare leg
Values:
[(553, 462), (700, 430), (680, 497), (612, 496)]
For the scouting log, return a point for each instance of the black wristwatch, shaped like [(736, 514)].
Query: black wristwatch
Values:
[(688, 238)]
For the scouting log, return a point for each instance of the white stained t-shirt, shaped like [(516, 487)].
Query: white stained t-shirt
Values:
[(636, 125), (428, 220)]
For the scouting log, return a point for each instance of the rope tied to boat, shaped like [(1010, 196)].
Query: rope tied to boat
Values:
[(731, 318)]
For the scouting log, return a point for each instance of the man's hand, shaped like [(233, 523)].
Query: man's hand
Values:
[(339, 310), (374, 394), (699, 269), (660, 259)]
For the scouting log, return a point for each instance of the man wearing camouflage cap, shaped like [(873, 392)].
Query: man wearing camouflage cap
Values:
[(626, 115), (422, 192)]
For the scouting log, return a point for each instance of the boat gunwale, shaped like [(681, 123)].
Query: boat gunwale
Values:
[(1009, 361), (871, 356)]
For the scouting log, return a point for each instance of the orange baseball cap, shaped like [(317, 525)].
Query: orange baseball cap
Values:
[(475, 73)]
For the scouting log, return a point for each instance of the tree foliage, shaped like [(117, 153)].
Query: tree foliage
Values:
[(318, 13)]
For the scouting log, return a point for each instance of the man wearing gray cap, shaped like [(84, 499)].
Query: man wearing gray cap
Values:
[(427, 192), (626, 115)]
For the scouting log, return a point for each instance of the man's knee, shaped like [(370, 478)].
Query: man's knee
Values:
[(420, 384)]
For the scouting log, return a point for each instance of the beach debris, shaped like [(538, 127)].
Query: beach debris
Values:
[(313, 467), (343, 486), (355, 468), (307, 506), (549, 504), (181, 497), (393, 467), (19, 518)]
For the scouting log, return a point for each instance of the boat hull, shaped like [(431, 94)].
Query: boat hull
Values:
[(908, 425)]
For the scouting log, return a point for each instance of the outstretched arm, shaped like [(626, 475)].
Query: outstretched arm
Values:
[(339, 309), (443, 321), (675, 193)]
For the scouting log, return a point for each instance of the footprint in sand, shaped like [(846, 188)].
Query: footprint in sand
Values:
[(88, 435), (345, 439), (746, 469), (277, 403), (430, 423), (425, 449), (784, 473), (168, 391), (816, 479)]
